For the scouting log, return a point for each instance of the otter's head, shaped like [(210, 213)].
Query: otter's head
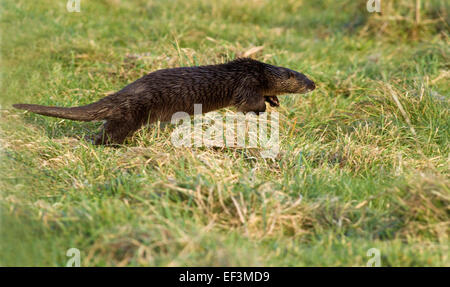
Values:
[(285, 81)]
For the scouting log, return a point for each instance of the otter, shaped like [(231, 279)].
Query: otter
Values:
[(244, 83)]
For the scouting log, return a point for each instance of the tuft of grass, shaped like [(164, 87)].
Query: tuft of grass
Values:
[(363, 162)]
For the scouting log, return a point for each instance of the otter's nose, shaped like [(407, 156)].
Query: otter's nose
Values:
[(311, 86)]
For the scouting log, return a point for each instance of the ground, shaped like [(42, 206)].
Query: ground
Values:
[(363, 161)]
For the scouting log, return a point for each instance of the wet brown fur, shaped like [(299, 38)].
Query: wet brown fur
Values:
[(244, 83)]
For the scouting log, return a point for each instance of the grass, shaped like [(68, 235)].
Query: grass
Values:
[(363, 162)]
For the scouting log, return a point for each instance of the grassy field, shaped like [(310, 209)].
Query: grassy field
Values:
[(363, 162)]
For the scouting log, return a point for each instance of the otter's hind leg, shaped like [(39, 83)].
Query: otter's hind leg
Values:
[(114, 132)]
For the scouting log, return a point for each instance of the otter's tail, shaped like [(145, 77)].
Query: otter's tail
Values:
[(91, 112)]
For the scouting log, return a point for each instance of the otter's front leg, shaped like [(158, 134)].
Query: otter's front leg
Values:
[(256, 104)]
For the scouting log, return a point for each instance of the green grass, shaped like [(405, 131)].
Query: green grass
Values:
[(363, 162)]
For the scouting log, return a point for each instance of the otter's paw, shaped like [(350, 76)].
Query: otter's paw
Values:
[(272, 100)]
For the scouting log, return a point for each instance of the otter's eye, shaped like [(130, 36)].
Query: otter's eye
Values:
[(287, 74)]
